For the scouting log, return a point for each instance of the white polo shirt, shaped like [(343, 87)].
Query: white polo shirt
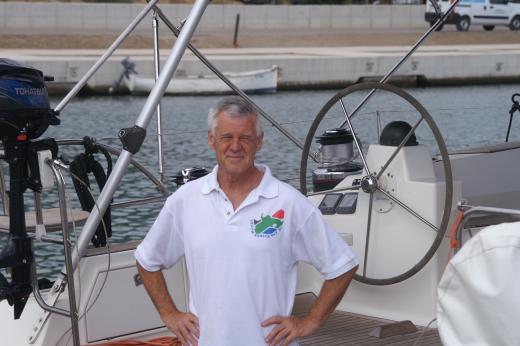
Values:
[(242, 264)]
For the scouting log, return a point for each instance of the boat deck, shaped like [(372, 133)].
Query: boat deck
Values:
[(343, 328)]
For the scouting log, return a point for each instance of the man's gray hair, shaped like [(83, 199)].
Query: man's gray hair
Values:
[(235, 107)]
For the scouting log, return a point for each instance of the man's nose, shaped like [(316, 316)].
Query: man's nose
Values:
[(235, 144)]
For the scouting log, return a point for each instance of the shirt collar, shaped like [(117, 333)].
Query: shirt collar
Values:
[(267, 188), (210, 182)]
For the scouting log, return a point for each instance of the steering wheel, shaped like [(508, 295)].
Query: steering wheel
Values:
[(372, 182)]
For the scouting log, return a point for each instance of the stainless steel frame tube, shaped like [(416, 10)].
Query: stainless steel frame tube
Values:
[(157, 61), (142, 121), (233, 87), (403, 59), (105, 56), (68, 256)]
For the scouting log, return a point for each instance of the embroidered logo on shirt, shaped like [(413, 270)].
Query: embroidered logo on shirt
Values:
[(268, 226)]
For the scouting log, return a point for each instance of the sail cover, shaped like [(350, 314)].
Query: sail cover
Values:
[(479, 293)]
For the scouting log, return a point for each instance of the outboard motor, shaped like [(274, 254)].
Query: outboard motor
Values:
[(24, 102), (25, 114), (336, 159), (189, 174)]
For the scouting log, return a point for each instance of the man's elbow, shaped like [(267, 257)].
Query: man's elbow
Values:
[(352, 271), (139, 266), (346, 277), (350, 274), (142, 270)]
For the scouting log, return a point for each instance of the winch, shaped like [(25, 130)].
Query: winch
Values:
[(336, 159)]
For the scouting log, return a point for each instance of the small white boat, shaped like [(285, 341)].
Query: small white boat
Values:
[(257, 81)]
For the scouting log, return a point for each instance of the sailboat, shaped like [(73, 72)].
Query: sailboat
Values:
[(393, 200)]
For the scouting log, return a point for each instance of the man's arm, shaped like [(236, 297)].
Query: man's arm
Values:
[(288, 329), (184, 325)]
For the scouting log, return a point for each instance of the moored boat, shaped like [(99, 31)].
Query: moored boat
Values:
[(257, 81)]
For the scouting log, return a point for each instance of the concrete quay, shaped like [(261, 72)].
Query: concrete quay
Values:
[(301, 67)]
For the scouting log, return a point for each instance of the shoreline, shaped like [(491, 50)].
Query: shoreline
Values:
[(301, 67), (308, 60)]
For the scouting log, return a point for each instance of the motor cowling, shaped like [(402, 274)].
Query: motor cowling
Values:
[(336, 159), (24, 101), (188, 174)]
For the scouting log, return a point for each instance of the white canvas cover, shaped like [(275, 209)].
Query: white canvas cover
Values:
[(479, 293)]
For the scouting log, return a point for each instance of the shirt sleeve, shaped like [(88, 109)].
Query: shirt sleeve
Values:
[(318, 244), (163, 245)]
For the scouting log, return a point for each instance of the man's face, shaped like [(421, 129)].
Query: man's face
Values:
[(235, 143)]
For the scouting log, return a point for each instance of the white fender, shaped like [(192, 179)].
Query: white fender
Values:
[(479, 293)]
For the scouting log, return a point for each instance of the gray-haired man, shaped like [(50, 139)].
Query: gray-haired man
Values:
[(242, 233)]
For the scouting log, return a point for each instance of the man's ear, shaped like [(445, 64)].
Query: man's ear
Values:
[(211, 140), (259, 141)]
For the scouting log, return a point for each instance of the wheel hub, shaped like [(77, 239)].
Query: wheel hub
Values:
[(369, 184)]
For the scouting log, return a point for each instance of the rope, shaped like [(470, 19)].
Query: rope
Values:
[(81, 166), (454, 242)]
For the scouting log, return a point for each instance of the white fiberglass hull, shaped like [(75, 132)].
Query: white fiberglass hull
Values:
[(123, 309), (113, 306)]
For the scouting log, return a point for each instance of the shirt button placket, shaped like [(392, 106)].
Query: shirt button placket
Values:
[(228, 206)]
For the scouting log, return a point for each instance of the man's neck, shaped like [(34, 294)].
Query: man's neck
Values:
[(237, 187)]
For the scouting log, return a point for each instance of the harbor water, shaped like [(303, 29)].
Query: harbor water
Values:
[(467, 116)]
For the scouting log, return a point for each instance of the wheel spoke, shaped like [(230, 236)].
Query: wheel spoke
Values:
[(354, 112), (394, 154), (338, 189), (314, 157), (408, 209), (355, 137), (371, 200)]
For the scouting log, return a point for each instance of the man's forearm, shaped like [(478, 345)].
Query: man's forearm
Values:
[(157, 289), (184, 325), (330, 295)]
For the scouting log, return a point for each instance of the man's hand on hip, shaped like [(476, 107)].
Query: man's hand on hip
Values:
[(288, 329), (185, 325)]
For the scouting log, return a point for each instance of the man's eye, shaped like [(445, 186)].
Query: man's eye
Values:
[(226, 138), (245, 138)]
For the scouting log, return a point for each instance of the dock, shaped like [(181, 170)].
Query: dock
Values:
[(315, 46), (301, 67)]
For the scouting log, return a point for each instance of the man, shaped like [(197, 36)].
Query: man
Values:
[(242, 233)]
